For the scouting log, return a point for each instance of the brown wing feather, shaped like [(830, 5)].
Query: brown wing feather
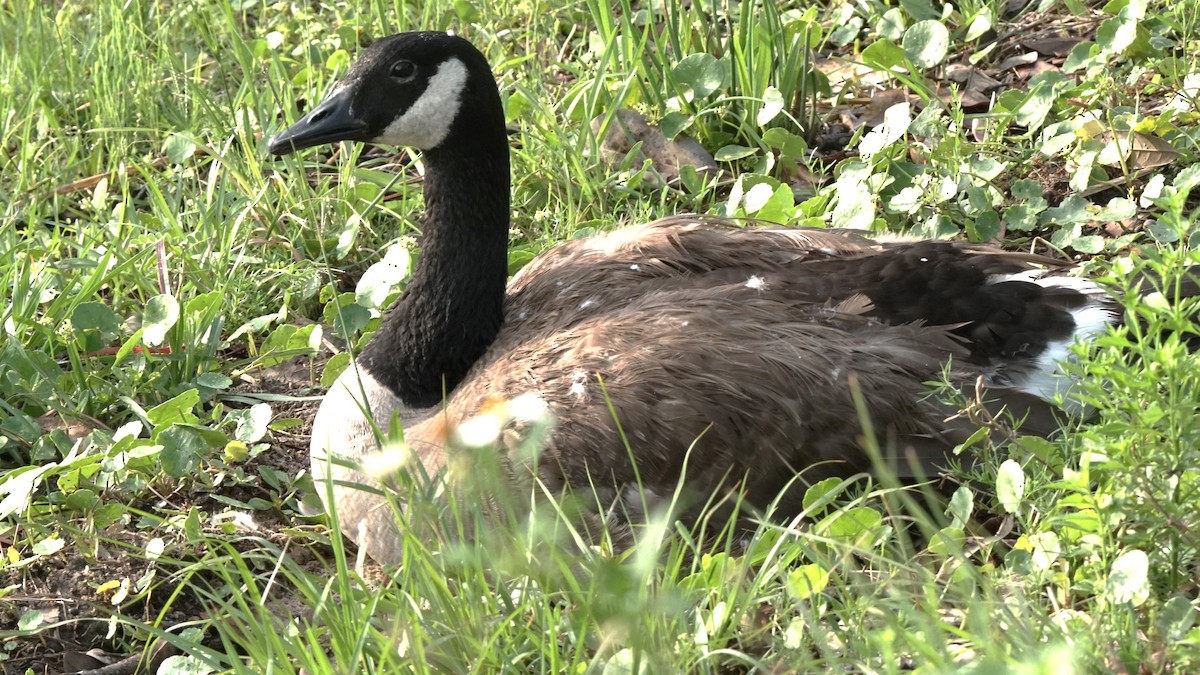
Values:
[(727, 354)]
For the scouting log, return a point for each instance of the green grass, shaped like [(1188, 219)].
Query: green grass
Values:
[(131, 304)]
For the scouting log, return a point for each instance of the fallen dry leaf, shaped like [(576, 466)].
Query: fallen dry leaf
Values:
[(1136, 150), (629, 128)]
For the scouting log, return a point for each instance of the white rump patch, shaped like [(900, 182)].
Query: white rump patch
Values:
[(427, 122), (756, 282), (1050, 382)]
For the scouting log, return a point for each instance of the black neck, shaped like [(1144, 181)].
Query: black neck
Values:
[(453, 307)]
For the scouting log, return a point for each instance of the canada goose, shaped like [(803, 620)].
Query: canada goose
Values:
[(726, 349)]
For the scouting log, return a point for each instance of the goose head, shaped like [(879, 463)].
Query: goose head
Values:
[(434, 92), (411, 89)]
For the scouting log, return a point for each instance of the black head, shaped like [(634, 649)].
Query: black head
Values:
[(409, 89)]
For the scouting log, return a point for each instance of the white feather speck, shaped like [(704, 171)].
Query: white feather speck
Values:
[(578, 384), (756, 282)]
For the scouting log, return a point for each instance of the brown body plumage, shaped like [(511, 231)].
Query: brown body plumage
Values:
[(727, 355)]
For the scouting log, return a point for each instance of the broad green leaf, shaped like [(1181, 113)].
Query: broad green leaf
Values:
[(985, 227), (1071, 210), (789, 144), (30, 619), (891, 25), (1090, 244), (626, 662), (179, 147), (161, 313), (1117, 208), (731, 153), (1044, 549), (96, 316), (82, 501), (176, 410), (213, 380), (962, 504), (466, 11), (920, 9), (806, 581), (1043, 91), (855, 207), (771, 107), (351, 319), (673, 123), (1177, 617), (48, 546), (380, 279), (182, 451), (184, 665), (108, 514), (947, 541), (251, 423), (516, 106), (348, 237), (519, 257), (1010, 485), (334, 367), (1128, 581), (926, 43), (980, 24), (702, 74), (847, 28), (884, 55), (338, 61), (1116, 34), (852, 526), (1083, 56), (896, 120), (1187, 178), (820, 495)]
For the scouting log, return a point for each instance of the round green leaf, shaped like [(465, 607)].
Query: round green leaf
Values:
[(334, 367), (95, 316), (251, 422), (182, 450), (703, 74), (731, 153), (820, 495), (772, 106), (179, 147), (926, 43), (891, 24), (1010, 485), (961, 506), (380, 279), (161, 313), (1128, 581), (213, 381), (806, 581)]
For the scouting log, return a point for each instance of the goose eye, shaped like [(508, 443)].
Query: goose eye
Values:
[(403, 70)]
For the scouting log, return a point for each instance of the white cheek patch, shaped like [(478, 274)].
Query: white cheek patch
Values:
[(427, 122)]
